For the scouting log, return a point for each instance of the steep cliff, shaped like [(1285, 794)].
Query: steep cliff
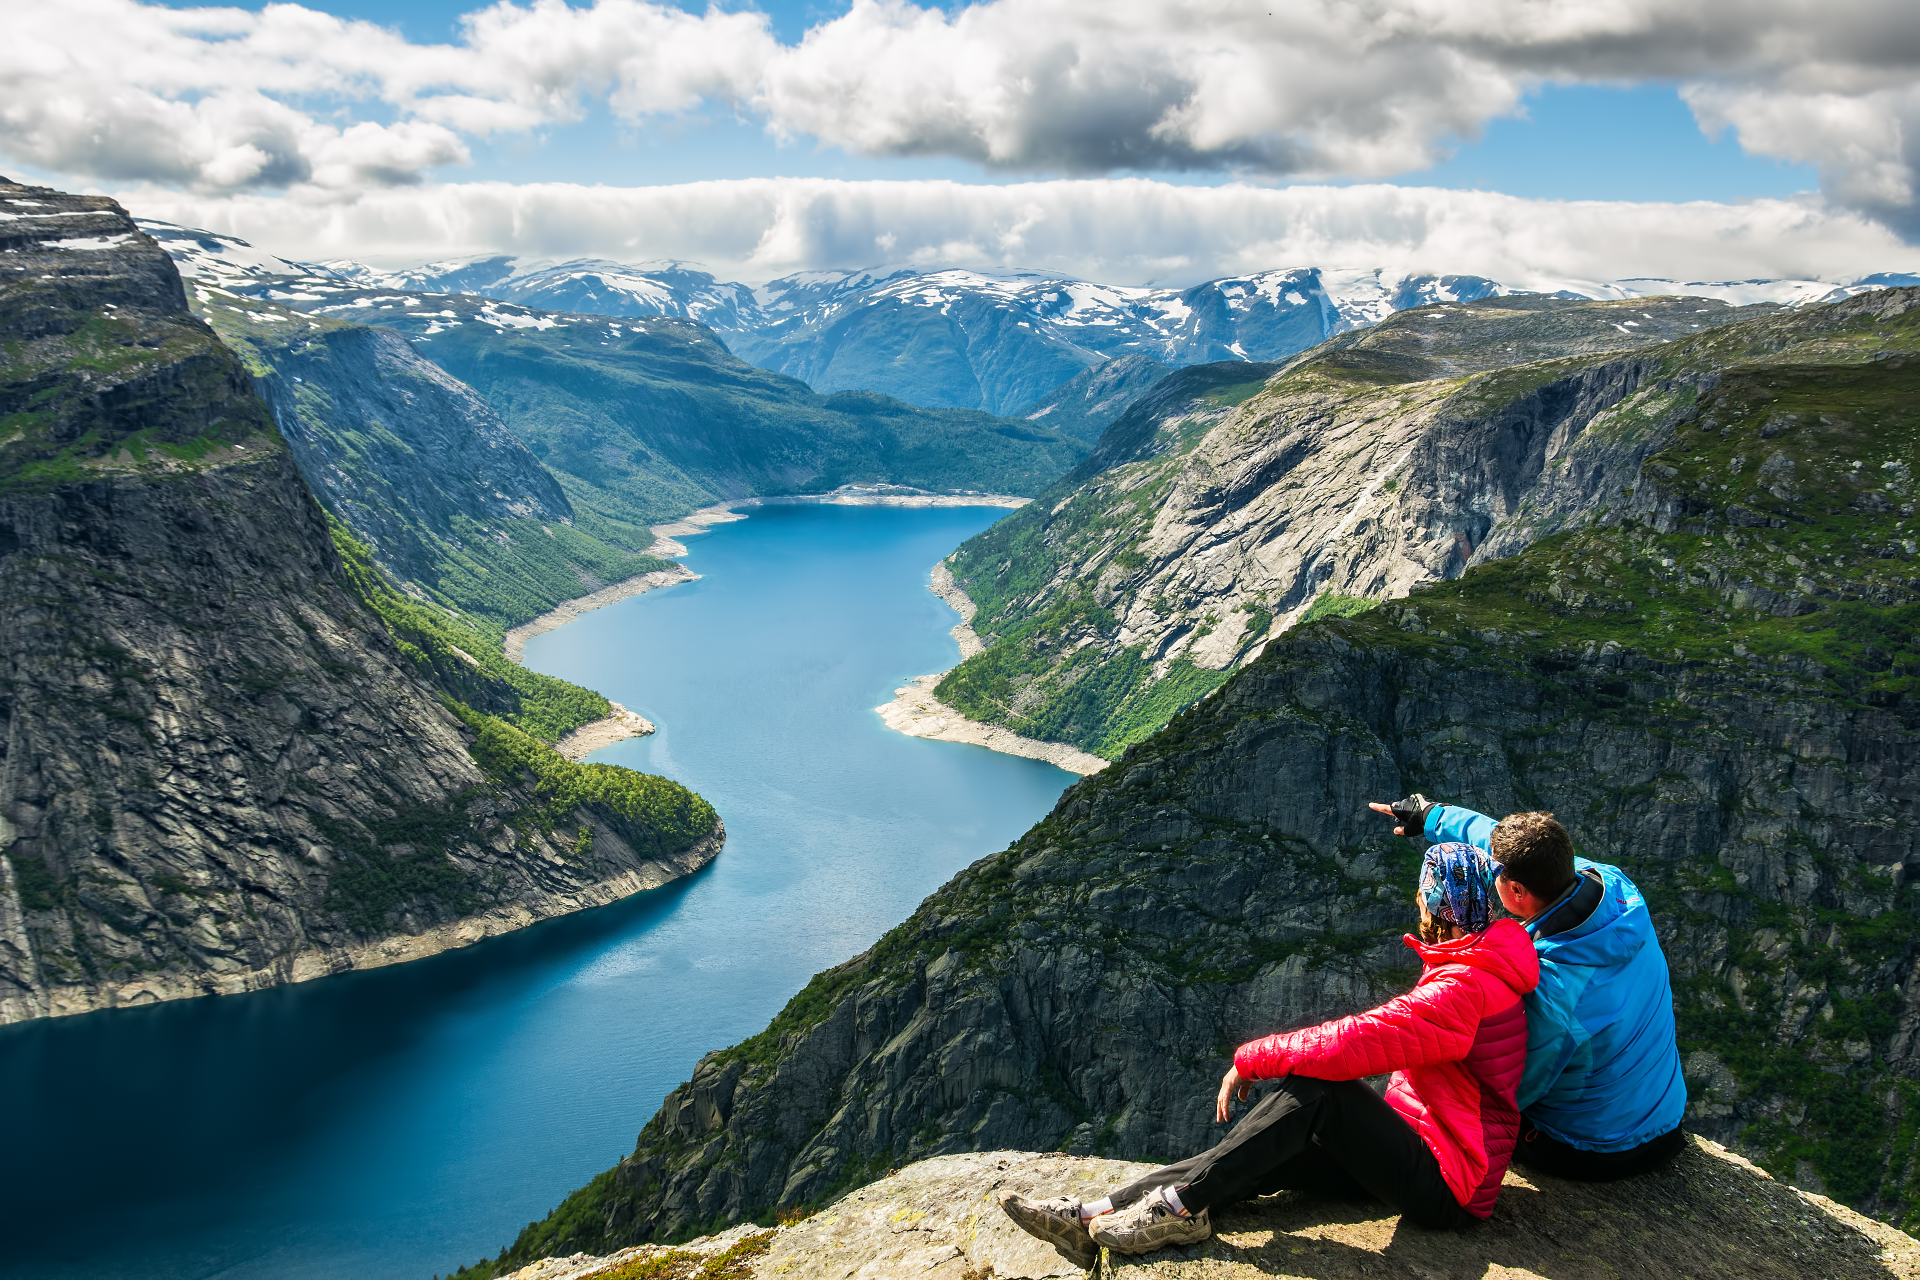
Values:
[(217, 770), (1228, 504), (1712, 682)]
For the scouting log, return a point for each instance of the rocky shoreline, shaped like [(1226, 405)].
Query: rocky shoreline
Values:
[(515, 643), (943, 585), (915, 712), (667, 545), (322, 962)]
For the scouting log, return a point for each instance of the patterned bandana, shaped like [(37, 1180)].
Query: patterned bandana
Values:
[(1456, 884)]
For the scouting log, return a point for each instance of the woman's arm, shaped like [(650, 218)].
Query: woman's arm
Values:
[(1435, 1022)]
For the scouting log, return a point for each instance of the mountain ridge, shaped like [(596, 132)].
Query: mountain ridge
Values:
[(1212, 516), (994, 340)]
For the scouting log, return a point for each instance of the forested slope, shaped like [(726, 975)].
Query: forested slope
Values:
[(421, 468)]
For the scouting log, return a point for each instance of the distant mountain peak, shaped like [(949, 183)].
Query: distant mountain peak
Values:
[(943, 335)]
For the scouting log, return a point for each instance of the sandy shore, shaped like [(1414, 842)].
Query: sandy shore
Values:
[(516, 640), (618, 727), (915, 712)]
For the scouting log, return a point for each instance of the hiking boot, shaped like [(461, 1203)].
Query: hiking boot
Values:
[(1057, 1221), (1148, 1224)]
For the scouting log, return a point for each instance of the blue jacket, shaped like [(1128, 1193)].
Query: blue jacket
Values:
[(1603, 1071)]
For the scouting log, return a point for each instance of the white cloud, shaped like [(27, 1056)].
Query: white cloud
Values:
[(228, 100), (1121, 231)]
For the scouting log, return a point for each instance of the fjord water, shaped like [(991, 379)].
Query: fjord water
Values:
[(399, 1122)]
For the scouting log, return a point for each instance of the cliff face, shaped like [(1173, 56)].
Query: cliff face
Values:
[(1214, 515), (217, 772), (1712, 683)]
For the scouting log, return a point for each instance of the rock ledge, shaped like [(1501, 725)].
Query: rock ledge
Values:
[(1709, 1216)]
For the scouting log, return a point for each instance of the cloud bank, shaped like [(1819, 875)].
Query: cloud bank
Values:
[(1119, 231), (224, 100)]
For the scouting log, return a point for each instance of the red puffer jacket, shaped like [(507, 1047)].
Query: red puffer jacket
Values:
[(1456, 1044)]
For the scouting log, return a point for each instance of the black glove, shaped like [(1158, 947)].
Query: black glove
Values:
[(1411, 814)]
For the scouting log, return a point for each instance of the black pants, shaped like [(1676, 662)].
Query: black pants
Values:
[(1538, 1151), (1335, 1137)]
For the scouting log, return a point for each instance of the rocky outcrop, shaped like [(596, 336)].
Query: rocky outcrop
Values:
[(217, 771), (1709, 1216)]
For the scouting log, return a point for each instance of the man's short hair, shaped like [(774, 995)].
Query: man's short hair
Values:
[(1535, 852)]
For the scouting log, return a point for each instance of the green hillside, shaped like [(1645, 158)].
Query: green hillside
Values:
[(643, 420), (443, 495)]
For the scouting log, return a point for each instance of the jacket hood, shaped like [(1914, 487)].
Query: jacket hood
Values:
[(1504, 951), (1616, 931)]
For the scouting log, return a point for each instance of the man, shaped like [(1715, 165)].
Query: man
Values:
[(1602, 1096)]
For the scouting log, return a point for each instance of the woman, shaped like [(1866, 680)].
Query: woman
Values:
[(1435, 1148)]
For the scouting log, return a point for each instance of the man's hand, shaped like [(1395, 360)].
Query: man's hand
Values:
[(1410, 814), (1231, 1086)]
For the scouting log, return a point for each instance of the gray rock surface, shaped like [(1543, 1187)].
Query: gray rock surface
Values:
[(216, 771), (1708, 1216)]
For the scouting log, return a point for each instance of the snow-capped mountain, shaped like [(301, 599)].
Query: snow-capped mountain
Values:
[(1000, 341), (593, 286), (222, 259)]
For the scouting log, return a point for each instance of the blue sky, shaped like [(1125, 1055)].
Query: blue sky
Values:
[(1577, 142), (1573, 142), (1538, 141)]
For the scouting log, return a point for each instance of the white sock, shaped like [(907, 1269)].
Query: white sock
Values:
[(1172, 1198), (1088, 1212)]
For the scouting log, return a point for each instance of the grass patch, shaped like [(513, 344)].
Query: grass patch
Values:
[(1331, 604)]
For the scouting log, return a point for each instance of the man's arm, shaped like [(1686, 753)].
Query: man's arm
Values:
[(1555, 1037), (1456, 824), (1419, 818)]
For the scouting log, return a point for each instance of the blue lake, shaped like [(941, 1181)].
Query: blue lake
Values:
[(400, 1122)]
